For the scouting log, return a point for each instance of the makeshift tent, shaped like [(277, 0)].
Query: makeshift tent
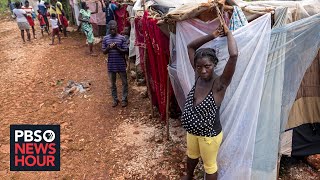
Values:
[(147, 39)]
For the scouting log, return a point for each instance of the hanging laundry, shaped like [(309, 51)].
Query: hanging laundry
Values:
[(238, 19), (158, 54), (122, 16)]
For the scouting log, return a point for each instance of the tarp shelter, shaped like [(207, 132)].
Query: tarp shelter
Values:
[(153, 49)]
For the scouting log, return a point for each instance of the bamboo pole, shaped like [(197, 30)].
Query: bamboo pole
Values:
[(128, 65), (220, 15), (147, 80), (145, 69), (278, 165), (167, 106)]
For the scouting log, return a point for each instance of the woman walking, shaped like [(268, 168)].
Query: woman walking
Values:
[(200, 117), (30, 16), (21, 17), (84, 18)]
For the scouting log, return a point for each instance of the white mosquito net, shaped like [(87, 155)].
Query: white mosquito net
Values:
[(270, 67)]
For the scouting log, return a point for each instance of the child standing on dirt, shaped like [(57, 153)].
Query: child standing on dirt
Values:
[(55, 28), (42, 23)]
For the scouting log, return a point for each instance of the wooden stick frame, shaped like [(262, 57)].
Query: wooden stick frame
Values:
[(145, 70)]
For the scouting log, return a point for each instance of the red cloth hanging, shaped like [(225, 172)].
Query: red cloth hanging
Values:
[(151, 75), (157, 45), (122, 16), (163, 51)]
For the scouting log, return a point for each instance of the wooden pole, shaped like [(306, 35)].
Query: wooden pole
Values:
[(147, 79), (220, 15), (145, 68), (128, 68), (278, 165), (167, 106), (136, 69)]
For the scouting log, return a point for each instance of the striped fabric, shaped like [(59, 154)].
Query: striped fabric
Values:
[(238, 19), (116, 60)]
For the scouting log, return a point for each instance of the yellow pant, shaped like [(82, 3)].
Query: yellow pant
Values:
[(205, 147)]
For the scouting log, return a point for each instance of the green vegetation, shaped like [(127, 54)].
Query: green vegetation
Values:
[(3, 6)]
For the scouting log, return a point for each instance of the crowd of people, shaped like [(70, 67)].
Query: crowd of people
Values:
[(206, 95), (25, 16), (114, 44)]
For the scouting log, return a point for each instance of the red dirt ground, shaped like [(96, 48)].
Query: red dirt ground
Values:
[(94, 136)]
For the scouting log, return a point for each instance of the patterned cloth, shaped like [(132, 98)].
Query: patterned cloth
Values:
[(238, 19), (122, 17), (86, 26), (157, 59), (202, 119), (116, 60)]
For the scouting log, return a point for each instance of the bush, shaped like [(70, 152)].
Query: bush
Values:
[(3, 6)]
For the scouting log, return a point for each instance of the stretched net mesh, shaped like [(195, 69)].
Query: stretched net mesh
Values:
[(270, 67)]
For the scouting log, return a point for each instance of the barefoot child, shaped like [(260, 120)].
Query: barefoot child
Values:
[(55, 28), (42, 23)]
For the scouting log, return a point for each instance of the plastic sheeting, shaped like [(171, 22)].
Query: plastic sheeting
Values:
[(177, 3), (302, 42), (76, 9), (274, 80), (296, 9), (246, 105), (241, 103), (132, 48), (238, 19)]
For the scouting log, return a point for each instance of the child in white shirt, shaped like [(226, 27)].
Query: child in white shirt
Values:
[(55, 28)]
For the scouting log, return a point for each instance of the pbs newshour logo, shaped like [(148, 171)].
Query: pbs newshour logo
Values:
[(35, 147)]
